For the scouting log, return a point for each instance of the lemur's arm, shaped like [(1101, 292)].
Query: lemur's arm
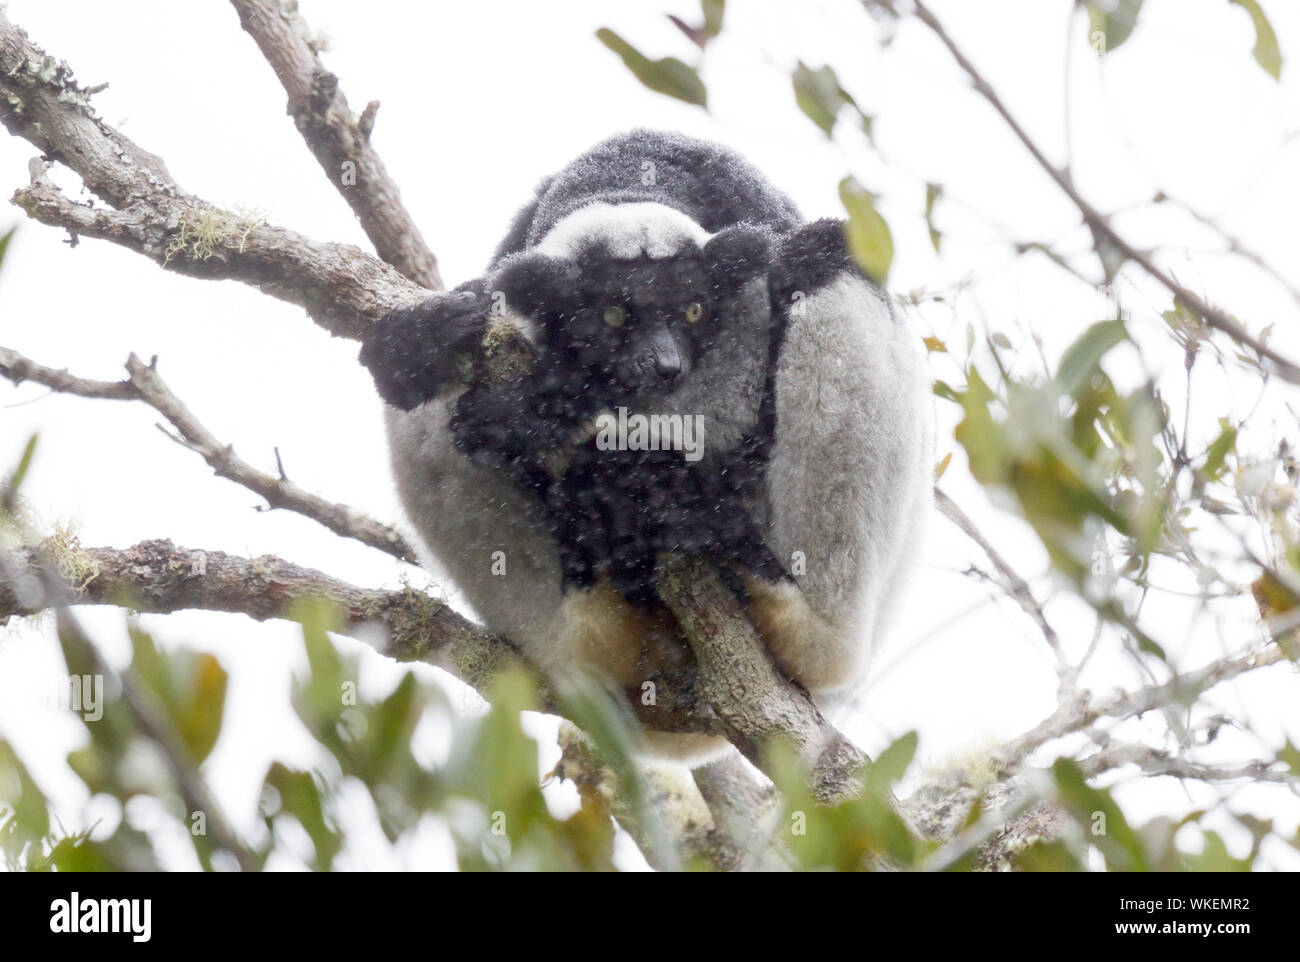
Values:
[(414, 353)]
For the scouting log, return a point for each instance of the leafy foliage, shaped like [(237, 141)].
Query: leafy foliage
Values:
[(1265, 52), (667, 75), (488, 792)]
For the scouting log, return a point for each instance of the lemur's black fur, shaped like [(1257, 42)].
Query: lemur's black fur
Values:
[(613, 511)]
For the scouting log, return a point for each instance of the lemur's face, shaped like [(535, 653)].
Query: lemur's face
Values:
[(638, 325), (634, 328)]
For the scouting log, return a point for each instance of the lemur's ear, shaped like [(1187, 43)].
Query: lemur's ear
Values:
[(533, 282), (736, 255), (810, 257)]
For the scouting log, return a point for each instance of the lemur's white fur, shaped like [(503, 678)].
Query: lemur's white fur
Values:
[(627, 230), (848, 484)]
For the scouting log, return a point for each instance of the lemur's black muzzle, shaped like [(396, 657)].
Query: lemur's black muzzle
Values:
[(657, 359)]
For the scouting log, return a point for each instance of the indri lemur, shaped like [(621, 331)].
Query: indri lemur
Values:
[(664, 275)]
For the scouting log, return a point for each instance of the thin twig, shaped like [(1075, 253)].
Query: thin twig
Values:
[(144, 384), (1080, 713), (1152, 761), (1014, 585), (1097, 221)]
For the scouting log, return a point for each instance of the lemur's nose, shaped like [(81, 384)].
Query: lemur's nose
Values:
[(663, 349), (668, 365)]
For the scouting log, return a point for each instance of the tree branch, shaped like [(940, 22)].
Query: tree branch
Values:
[(321, 113), (1080, 713), (17, 369), (1152, 761), (1098, 222), (1014, 585), (749, 698), (144, 384), (342, 288), (159, 577)]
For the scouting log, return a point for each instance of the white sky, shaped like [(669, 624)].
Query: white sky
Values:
[(481, 100)]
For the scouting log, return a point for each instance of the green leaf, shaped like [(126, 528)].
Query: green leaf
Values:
[(300, 798), (1081, 359), (4, 242), (613, 732), (889, 766), (1266, 51), (944, 390), (190, 686), (713, 10), (9, 489), (1045, 856), (1290, 755), (932, 193), (199, 718), (324, 687), (1114, 20), (869, 239), (1100, 818), (819, 95), (667, 75), (1214, 457), (1214, 857), (942, 466), (19, 792)]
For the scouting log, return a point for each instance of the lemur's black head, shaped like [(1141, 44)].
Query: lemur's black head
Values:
[(634, 327)]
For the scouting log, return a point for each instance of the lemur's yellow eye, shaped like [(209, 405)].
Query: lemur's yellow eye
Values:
[(614, 315), (694, 311)]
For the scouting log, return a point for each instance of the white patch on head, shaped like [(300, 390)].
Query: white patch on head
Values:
[(627, 231)]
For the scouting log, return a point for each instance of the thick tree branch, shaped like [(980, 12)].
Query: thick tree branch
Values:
[(341, 287), (742, 807), (144, 384), (340, 144), (749, 698), (159, 577)]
